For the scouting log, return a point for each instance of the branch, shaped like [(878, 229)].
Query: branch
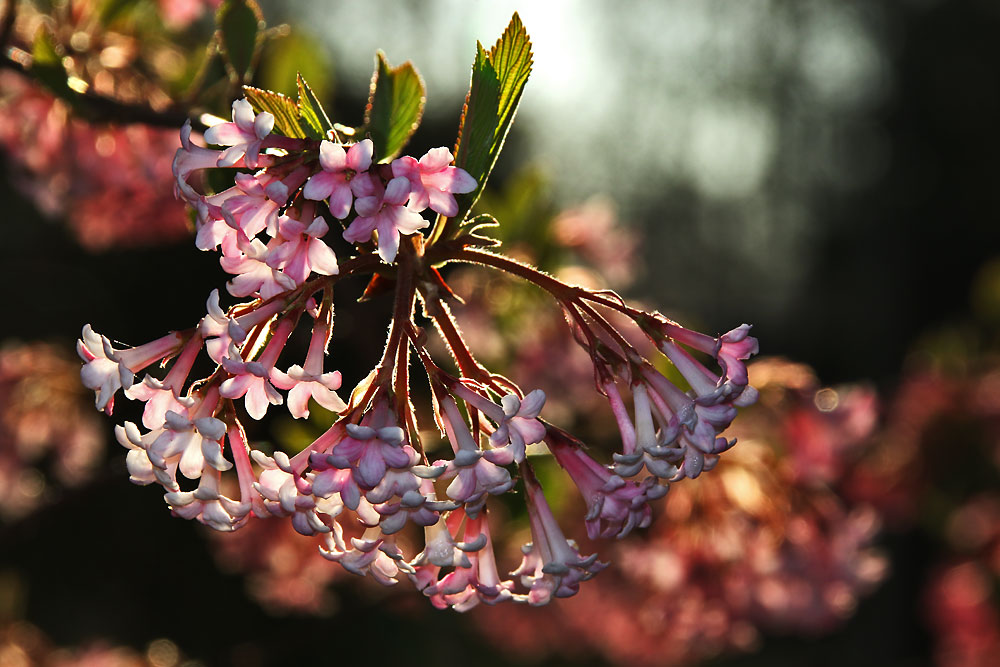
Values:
[(98, 108)]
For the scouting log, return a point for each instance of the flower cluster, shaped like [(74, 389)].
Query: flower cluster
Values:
[(756, 547), (375, 481)]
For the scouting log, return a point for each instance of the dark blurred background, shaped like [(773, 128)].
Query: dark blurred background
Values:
[(825, 170)]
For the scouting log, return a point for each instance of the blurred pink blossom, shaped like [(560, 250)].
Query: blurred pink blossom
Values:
[(110, 183), (44, 414)]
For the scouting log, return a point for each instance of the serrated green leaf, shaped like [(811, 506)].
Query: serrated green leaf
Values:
[(47, 67), (284, 109), (240, 23), (312, 118), (498, 79), (395, 105)]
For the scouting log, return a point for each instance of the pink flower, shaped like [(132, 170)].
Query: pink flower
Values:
[(433, 183), (474, 577), (373, 553), (517, 423), (369, 453), (193, 443), (106, 370), (519, 427), (208, 505), (387, 213), (417, 506), (218, 330), (339, 170), (191, 157), (328, 479), (252, 204), (160, 399), (103, 370), (730, 351), (309, 381), (253, 378), (284, 494), (474, 476), (140, 469), (302, 386), (253, 275), (614, 506), (243, 135), (552, 565), (303, 251)]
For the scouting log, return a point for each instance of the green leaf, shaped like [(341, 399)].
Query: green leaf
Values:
[(47, 67), (113, 9), (284, 109), (498, 79), (284, 56), (240, 24), (312, 118), (395, 105)]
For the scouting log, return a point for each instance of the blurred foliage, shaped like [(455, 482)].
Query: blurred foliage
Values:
[(930, 470)]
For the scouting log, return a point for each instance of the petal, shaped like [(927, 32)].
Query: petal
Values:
[(363, 185), (406, 167), (320, 186), (359, 156), (226, 134), (532, 404), (282, 380), (360, 230), (263, 124), (371, 468), (231, 155), (332, 156), (298, 400), (256, 399), (531, 430), (328, 398), (367, 206), (435, 159), (397, 191), (341, 198), (442, 202), (405, 220), (322, 259), (243, 114), (388, 241), (396, 457), (192, 460)]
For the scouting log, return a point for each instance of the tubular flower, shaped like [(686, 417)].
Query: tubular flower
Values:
[(243, 135), (552, 565), (339, 170), (106, 370), (385, 212), (614, 506), (433, 183)]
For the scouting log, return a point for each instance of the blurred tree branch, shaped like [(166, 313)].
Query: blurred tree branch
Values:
[(100, 108)]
